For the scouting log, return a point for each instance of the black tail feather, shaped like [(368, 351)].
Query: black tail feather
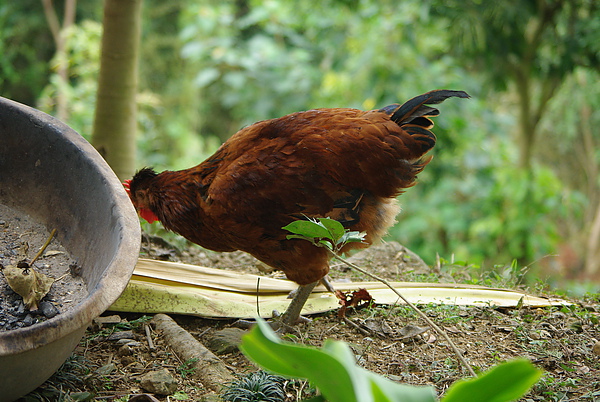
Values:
[(416, 107)]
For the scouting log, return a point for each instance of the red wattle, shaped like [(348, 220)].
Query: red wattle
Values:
[(148, 215)]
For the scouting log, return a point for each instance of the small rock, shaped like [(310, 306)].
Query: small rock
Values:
[(226, 340), (127, 360), (111, 319), (19, 308), (129, 342), (159, 382), (106, 369), (596, 348), (125, 351), (28, 320), (48, 309), (115, 336)]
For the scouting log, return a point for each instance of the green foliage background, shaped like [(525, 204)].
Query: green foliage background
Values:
[(210, 67)]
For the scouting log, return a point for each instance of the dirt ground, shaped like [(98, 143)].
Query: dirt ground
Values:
[(21, 238), (558, 340)]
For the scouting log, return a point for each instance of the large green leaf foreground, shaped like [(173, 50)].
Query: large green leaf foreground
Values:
[(333, 370)]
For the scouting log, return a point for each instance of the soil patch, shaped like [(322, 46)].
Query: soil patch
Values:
[(20, 239), (558, 340)]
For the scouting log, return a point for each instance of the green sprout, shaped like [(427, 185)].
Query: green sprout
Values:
[(324, 232), (258, 386)]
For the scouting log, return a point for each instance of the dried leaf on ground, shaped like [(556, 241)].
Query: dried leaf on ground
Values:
[(30, 284)]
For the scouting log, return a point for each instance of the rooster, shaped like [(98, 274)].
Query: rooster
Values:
[(341, 163)]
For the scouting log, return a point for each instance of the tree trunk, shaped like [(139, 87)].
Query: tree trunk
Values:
[(592, 260), (58, 34), (526, 129), (114, 132)]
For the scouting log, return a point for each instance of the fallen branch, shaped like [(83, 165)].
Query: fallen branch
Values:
[(148, 336), (208, 368)]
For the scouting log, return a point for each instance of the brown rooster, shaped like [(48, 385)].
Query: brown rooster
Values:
[(346, 164)]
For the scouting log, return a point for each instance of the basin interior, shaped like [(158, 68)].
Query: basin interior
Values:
[(51, 173)]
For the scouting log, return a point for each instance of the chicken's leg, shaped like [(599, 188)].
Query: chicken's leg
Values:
[(291, 315)]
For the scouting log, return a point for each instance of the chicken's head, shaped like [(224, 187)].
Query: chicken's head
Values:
[(138, 200)]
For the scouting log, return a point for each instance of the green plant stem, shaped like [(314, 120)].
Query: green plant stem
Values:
[(438, 329)]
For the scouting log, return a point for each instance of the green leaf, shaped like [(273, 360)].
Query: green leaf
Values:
[(297, 361), (506, 382), (326, 243), (308, 228), (335, 228), (299, 237), (332, 369), (352, 237)]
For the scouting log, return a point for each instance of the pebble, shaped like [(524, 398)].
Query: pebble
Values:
[(159, 382), (226, 340), (125, 351), (18, 308), (107, 320), (596, 348), (48, 309), (129, 342), (107, 369), (28, 320), (115, 336)]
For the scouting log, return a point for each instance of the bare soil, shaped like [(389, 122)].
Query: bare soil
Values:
[(558, 340), (21, 238)]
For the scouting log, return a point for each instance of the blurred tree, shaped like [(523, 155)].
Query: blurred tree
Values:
[(28, 55), (114, 133), (82, 52), (25, 49), (170, 107), (530, 45), (258, 60), (570, 146)]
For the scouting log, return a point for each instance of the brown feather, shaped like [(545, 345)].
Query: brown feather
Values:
[(341, 163)]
